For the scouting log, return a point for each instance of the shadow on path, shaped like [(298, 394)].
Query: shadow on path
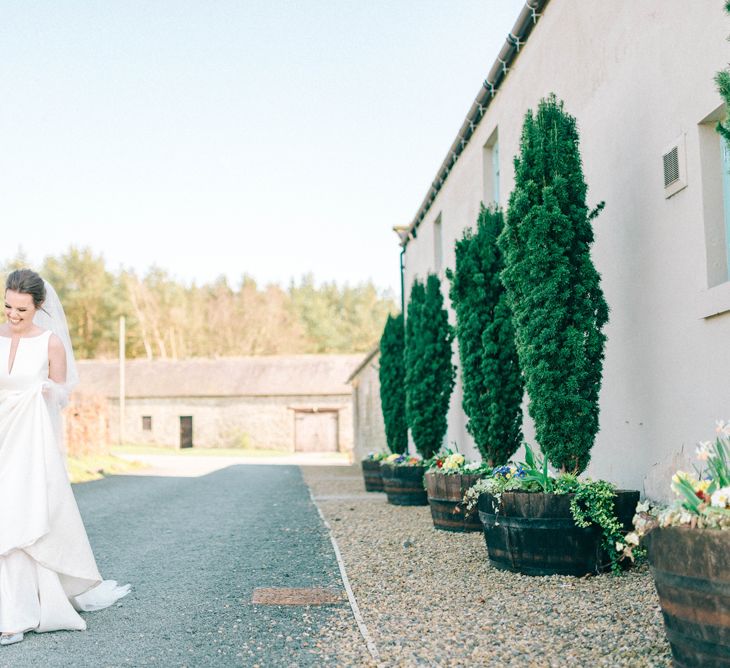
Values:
[(194, 549)]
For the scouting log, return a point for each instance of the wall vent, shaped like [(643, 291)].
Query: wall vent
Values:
[(675, 167)]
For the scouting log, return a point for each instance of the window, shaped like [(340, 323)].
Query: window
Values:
[(715, 165), (438, 245), (725, 163), (146, 423), (491, 170)]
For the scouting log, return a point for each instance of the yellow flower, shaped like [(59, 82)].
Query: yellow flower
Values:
[(700, 485), (681, 475)]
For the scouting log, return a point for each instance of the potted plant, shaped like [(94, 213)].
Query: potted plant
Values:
[(392, 401), (537, 522), (491, 379), (403, 480), (688, 547), (532, 523), (429, 381), (448, 477), (371, 471)]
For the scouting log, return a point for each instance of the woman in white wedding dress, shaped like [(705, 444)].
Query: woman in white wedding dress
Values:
[(47, 569)]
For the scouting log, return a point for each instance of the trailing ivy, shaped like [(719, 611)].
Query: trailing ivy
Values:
[(553, 287), (392, 384), (429, 377), (491, 378)]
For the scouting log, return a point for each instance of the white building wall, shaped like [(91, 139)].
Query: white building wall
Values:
[(636, 75)]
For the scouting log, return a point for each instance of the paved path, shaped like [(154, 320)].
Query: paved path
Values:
[(194, 549)]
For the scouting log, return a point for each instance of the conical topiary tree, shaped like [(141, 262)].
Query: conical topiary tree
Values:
[(491, 378), (553, 288), (429, 371), (392, 384)]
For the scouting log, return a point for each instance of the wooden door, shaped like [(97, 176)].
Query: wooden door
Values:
[(186, 431), (316, 432)]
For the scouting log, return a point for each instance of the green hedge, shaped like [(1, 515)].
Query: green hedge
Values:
[(490, 372), (553, 288), (429, 371), (392, 384)]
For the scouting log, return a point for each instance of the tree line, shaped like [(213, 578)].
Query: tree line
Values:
[(168, 319)]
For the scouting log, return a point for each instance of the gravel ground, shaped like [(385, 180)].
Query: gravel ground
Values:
[(194, 549), (430, 598)]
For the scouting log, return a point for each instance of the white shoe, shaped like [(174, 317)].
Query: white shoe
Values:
[(10, 639)]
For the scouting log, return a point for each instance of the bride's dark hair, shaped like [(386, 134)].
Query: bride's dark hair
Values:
[(27, 282)]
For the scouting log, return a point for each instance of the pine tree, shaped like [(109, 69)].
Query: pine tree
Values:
[(392, 384), (553, 287), (491, 378), (430, 372)]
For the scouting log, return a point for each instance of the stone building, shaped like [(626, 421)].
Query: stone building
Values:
[(639, 78), (289, 403), (368, 425)]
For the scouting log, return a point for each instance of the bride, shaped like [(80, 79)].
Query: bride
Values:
[(47, 569)]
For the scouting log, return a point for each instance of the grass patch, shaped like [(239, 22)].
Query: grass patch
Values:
[(132, 449), (94, 467), (198, 452)]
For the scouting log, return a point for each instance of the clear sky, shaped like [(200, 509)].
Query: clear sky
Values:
[(268, 137)]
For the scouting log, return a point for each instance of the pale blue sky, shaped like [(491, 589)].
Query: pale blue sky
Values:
[(262, 136)]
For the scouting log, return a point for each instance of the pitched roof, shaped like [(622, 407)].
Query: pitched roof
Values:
[(375, 351), (274, 375)]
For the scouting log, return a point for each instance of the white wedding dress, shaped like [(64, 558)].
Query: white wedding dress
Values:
[(47, 569)]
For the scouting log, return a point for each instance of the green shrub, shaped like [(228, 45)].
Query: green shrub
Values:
[(553, 287), (491, 378), (429, 371), (392, 384)]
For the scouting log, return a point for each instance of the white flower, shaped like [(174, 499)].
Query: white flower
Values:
[(703, 450), (722, 428), (721, 498), (619, 546)]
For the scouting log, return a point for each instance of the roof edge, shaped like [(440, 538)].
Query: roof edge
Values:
[(364, 363), (515, 40)]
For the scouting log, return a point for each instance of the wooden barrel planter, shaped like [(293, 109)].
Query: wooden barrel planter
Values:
[(534, 533), (445, 494), (372, 476), (404, 485), (691, 569)]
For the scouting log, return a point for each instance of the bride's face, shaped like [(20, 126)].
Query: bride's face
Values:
[(19, 310)]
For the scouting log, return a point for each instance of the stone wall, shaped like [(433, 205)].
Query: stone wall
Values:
[(86, 425), (368, 416), (226, 422)]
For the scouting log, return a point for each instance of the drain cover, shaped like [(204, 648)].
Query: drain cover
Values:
[(290, 596)]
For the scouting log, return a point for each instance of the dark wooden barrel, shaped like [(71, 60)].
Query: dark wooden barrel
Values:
[(404, 485), (372, 475), (534, 533), (445, 494), (691, 570)]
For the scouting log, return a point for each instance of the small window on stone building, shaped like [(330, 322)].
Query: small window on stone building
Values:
[(146, 423)]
